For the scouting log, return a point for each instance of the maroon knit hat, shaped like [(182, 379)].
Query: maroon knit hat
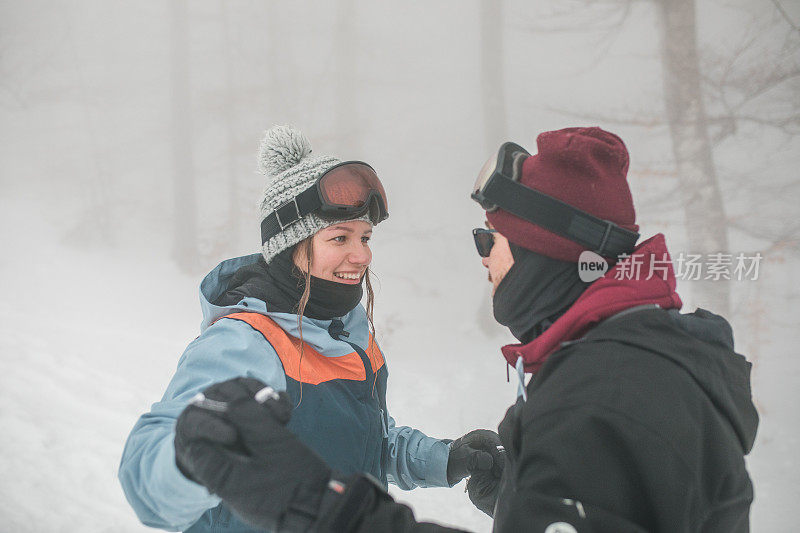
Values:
[(583, 167)]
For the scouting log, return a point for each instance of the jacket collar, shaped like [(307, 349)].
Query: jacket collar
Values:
[(644, 277), (315, 331)]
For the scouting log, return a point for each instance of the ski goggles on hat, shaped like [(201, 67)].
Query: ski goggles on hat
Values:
[(484, 240), (506, 163), (498, 186), (345, 191)]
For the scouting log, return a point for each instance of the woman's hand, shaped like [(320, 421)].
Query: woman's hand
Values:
[(479, 451), (479, 455)]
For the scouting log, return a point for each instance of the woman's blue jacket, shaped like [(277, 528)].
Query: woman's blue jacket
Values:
[(343, 417)]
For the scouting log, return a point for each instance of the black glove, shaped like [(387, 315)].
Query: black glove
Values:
[(480, 455), (478, 451), (235, 442), (194, 424), (483, 488)]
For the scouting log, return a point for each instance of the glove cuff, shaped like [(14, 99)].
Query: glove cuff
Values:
[(305, 507), (347, 501)]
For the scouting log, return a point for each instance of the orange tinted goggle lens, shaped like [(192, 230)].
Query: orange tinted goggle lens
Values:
[(350, 186)]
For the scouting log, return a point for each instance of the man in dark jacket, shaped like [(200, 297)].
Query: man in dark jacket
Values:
[(637, 417)]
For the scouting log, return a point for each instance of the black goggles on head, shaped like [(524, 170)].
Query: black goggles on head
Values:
[(498, 186), (345, 191)]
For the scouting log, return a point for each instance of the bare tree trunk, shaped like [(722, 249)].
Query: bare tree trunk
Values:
[(492, 80), (346, 112), (231, 233), (185, 234), (494, 115), (94, 227), (704, 213)]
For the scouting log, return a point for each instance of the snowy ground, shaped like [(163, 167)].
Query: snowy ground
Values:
[(89, 339)]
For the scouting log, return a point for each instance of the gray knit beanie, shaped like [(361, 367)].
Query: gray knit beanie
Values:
[(284, 157)]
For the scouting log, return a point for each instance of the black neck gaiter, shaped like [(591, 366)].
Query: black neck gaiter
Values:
[(280, 284), (535, 292)]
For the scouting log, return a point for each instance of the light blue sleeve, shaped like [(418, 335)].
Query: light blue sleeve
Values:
[(159, 494), (416, 460)]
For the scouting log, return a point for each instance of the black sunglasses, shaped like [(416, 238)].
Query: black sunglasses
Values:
[(484, 240)]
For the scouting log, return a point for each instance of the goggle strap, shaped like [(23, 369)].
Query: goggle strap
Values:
[(601, 236), (301, 205)]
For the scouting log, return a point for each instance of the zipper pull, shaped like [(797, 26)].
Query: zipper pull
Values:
[(336, 329)]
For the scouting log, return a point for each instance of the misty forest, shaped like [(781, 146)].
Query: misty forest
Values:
[(128, 141)]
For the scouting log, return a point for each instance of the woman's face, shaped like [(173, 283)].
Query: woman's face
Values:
[(340, 252)]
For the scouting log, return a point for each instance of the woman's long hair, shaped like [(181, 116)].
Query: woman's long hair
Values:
[(306, 248)]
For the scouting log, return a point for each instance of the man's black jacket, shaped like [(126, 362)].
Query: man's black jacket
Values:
[(641, 425)]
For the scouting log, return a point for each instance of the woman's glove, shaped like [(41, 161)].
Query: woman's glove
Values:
[(479, 455), (233, 439), (477, 452)]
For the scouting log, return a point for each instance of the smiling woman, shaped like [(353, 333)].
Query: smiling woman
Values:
[(340, 253), (290, 317)]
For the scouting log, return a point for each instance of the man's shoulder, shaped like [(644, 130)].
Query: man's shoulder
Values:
[(606, 374)]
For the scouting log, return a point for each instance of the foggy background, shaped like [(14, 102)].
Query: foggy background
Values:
[(128, 135)]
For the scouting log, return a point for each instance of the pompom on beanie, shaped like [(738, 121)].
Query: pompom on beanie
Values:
[(285, 158)]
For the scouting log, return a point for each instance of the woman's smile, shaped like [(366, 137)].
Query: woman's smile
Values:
[(349, 277)]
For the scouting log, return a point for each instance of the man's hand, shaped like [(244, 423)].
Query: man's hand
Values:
[(479, 455), (477, 452), (483, 488), (233, 439)]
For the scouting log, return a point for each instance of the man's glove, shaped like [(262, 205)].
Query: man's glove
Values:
[(233, 439), (478, 451), (483, 488), (480, 455)]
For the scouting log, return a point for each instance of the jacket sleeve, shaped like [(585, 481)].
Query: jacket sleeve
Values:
[(416, 460), (159, 494)]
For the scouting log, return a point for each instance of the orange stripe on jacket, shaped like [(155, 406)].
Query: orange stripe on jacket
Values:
[(313, 368), (374, 354)]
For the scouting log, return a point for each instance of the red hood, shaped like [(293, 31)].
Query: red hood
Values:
[(606, 297)]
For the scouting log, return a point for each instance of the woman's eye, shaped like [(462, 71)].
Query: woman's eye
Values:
[(364, 240), (339, 238)]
